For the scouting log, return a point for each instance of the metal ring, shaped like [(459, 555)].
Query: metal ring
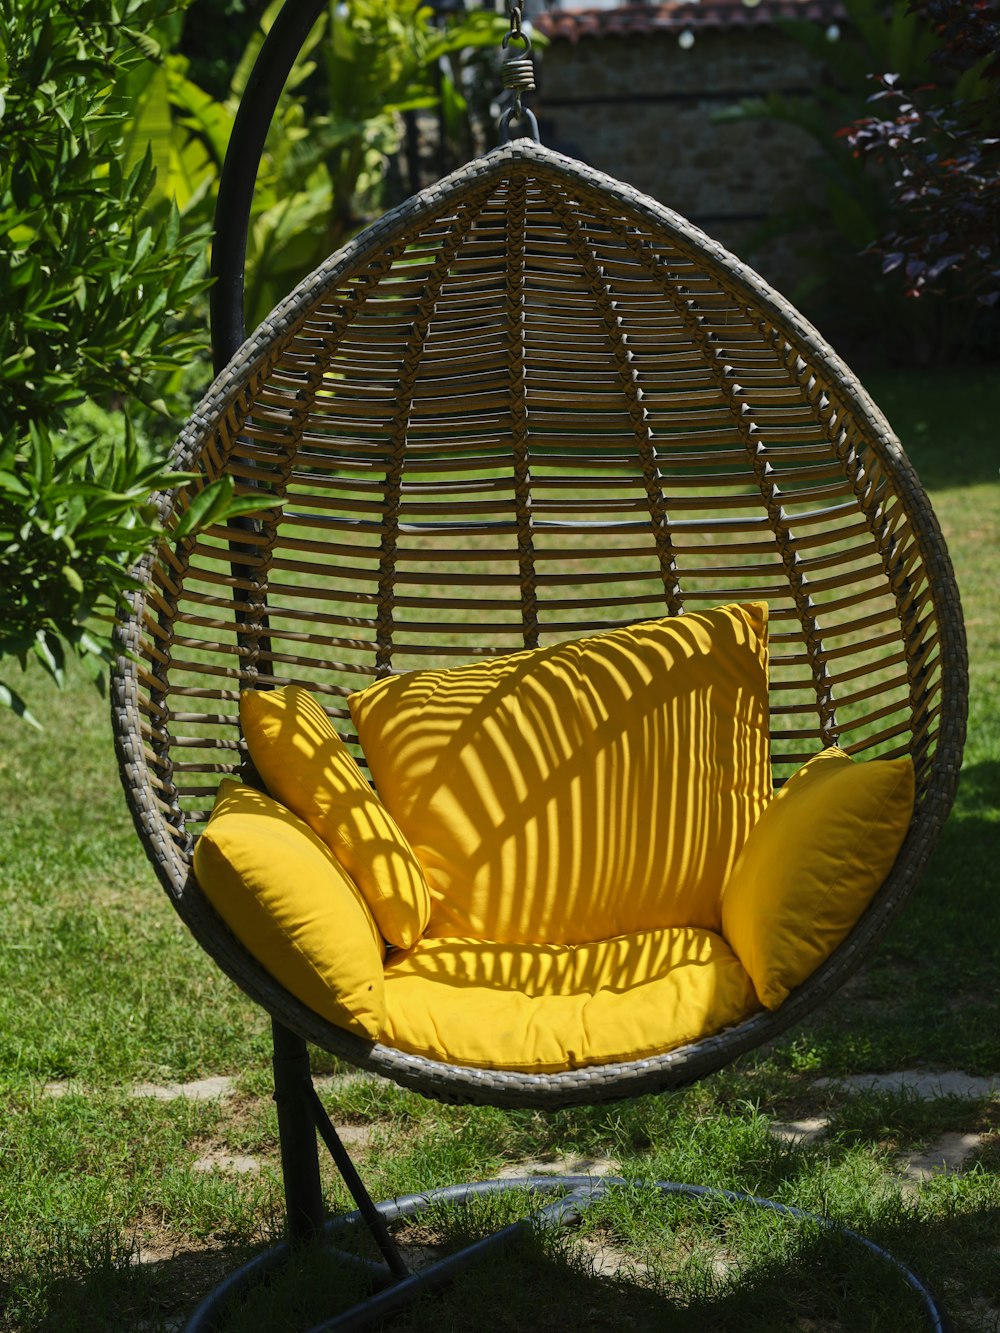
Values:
[(578, 1193), (508, 116), (517, 36)]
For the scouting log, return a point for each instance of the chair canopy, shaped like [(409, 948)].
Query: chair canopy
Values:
[(527, 405)]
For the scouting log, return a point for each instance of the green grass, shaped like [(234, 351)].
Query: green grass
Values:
[(101, 988)]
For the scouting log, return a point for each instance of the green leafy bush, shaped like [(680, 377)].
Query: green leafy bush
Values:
[(337, 125), (92, 294), (111, 160)]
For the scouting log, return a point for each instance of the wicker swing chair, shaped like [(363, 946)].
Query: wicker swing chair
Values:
[(536, 372)]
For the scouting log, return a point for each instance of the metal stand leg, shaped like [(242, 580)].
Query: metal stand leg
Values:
[(301, 1115), (367, 1210), (297, 1135)]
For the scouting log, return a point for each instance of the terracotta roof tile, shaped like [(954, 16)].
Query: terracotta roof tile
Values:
[(673, 15)]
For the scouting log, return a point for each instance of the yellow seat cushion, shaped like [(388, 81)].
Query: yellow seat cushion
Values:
[(543, 1008), (581, 791), (289, 901), (813, 863), (307, 767)]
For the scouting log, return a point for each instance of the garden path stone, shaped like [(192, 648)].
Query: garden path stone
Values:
[(355, 1137), (560, 1166), (199, 1090), (607, 1261), (418, 1257), (800, 1131), (987, 1314), (950, 1153), (227, 1163), (60, 1087), (334, 1082), (922, 1082)]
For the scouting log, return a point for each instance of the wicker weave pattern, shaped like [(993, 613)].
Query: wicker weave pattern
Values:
[(528, 405)]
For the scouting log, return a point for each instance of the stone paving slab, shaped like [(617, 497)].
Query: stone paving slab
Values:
[(199, 1090), (924, 1083), (61, 1087), (227, 1163), (950, 1153), (335, 1082), (561, 1166), (607, 1260), (921, 1082), (800, 1131), (356, 1138)]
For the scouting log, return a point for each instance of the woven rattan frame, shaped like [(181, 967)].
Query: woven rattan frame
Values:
[(528, 404)]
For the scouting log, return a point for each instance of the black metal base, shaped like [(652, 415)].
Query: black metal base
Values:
[(302, 1116), (575, 1195)]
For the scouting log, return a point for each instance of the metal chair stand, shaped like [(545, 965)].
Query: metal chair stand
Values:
[(302, 1116)]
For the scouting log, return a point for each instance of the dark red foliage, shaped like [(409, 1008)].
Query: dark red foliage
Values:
[(943, 159), (969, 31)]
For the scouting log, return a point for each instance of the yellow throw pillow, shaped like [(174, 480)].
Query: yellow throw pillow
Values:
[(580, 791), (544, 1008), (822, 849), (284, 896), (307, 767)]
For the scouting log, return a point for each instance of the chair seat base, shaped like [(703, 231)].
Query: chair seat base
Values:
[(574, 1194)]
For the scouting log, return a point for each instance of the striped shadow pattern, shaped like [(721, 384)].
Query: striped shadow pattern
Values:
[(526, 405)]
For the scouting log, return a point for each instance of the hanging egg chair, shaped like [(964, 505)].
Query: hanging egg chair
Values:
[(527, 408)]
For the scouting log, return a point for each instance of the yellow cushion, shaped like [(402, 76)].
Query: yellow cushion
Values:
[(543, 1008), (306, 766), (580, 791), (285, 897), (821, 851)]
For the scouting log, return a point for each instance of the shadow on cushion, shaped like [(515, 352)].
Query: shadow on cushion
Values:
[(542, 1008), (583, 790)]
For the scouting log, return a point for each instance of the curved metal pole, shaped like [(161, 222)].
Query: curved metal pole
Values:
[(239, 171), (300, 1163)]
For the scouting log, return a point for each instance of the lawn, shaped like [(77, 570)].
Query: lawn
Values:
[(120, 1204)]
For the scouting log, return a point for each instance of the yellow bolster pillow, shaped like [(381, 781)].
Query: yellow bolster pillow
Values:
[(290, 903), (817, 857), (307, 767)]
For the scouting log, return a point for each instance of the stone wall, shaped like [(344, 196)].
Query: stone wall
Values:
[(641, 108)]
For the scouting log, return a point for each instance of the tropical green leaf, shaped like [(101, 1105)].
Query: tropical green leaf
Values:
[(11, 699), (145, 42), (216, 503), (48, 650)]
